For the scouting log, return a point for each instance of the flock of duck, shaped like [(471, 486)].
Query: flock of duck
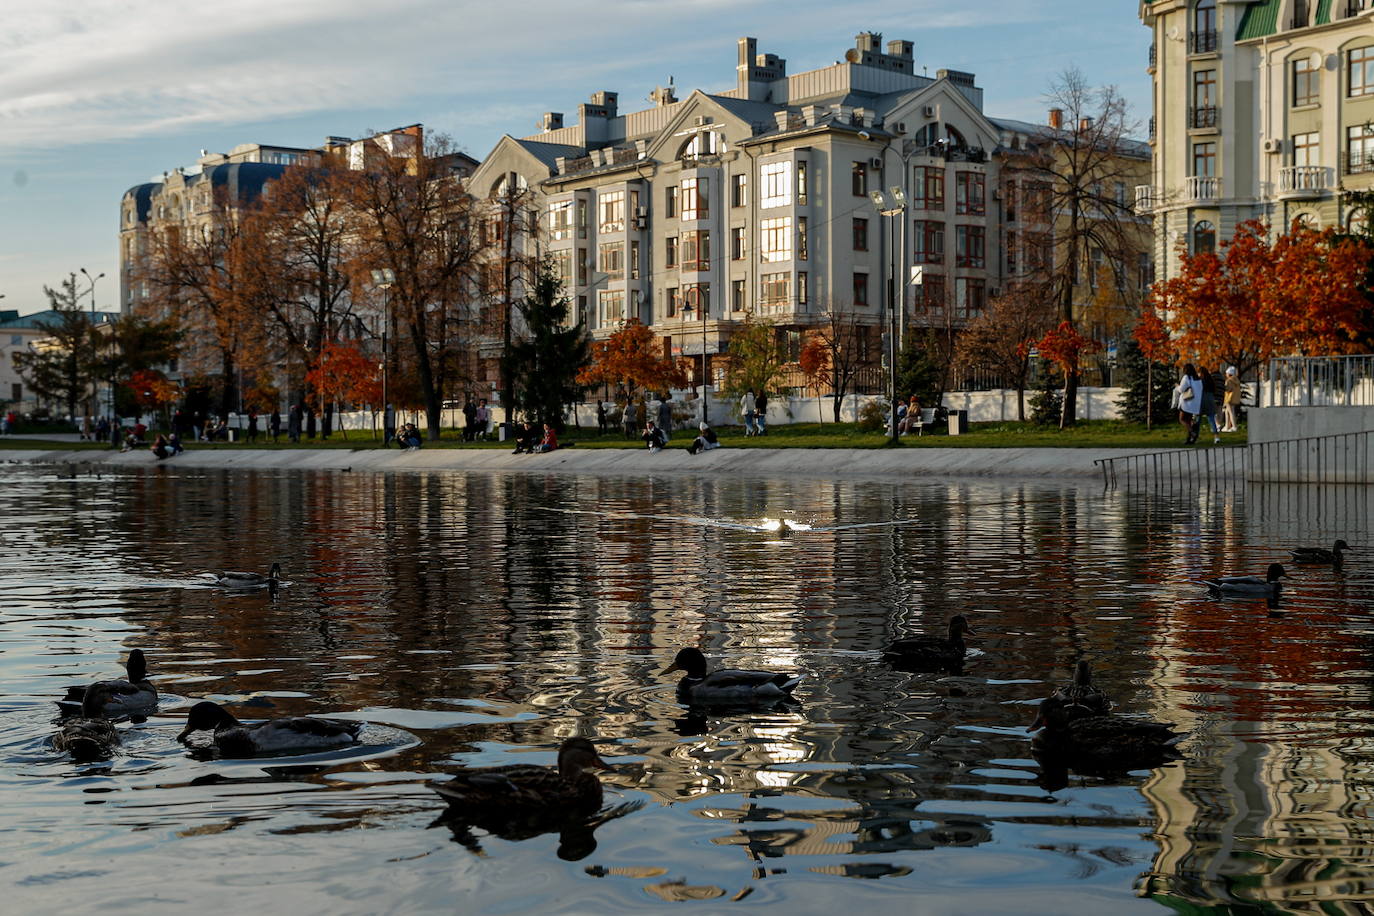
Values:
[(1074, 723)]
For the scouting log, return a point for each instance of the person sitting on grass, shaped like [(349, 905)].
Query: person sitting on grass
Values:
[(653, 437), (174, 443), (705, 441), (410, 436), (160, 447), (526, 438), (550, 442)]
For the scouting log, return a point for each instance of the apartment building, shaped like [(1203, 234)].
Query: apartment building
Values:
[(695, 212), (1263, 109)]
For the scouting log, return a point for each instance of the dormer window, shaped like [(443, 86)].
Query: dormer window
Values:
[(704, 143)]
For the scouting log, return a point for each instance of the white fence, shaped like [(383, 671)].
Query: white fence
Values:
[(1318, 381)]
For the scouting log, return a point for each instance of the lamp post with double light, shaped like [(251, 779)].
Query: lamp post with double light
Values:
[(95, 357), (700, 310), (892, 204), (383, 279)]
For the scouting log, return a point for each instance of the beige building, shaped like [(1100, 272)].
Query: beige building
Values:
[(1263, 109)]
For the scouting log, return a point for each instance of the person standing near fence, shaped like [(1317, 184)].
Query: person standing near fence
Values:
[(1231, 404), (274, 424), (665, 414), (761, 413), (1209, 403), (253, 426), (746, 412), (630, 418), (1189, 392), (293, 423)]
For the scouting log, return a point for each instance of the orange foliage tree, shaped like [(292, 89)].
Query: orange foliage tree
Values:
[(1256, 299), (152, 390), (1065, 347), (344, 373), (633, 359)]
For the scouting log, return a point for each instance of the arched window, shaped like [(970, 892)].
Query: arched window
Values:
[(704, 143), (1357, 221), (1204, 237), (956, 139), (1309, 220), (927, 135)]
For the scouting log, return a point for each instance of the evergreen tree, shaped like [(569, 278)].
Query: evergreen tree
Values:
[(544, 365), (67, 366), (918, 374), (1134, 373)]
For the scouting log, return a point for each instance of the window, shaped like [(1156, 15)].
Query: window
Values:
[(737, 244), (1306, 81), (706, 143), (970, 296), (561, 220), (930, 295), (672, 301), (968, 246), (775, 184), (562, 266), (1144, 271), (696, 300), (1119, 193), (612, 206), (801, 238), (801, 288), (860, 234), (1204, 237), (775, 239), (16, 391), (694, 198), (1359, 71), (1204, 112), (1011, 254), (861, 289), (1097, 261), (1204, 37), (1205, 160), (1302, 14), (670, 201), (859, 179), (969, 192), (582, 219), (581, 267), (611, 260), (612, 306), (634, 260), (775, 289), (1307, 149), (696, 250), (670, 251), (582, 316), (928, 242), (801, 183), (928, 188), (1038, 247), (737, 295), (739, 190), (1359, 149)]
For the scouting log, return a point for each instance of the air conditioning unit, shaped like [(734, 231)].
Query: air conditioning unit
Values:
[(1273, 145), (875, 162), (928, 111), (996, 193), (901, 127)]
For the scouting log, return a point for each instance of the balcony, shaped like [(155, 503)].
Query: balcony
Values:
[(1154, 58), (1152, 128), (1147, 198), (1203, 189), (1304, 180), (1203, 118), (1202, 42)]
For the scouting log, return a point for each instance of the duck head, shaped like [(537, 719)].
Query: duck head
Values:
[(690, 661), (274, 572), (1083, 674), (1051, 715), (1339, 546), (206, 716), (136, 667), (94, 702), (958, 626), (1276, 572), (576, 755)]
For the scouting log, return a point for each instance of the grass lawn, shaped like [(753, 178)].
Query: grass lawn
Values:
[(1093, 434)]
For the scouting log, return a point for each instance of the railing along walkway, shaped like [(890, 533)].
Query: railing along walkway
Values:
[(1225, 464), (1335, 459)]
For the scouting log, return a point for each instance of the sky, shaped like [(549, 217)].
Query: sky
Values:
[(97, 96)]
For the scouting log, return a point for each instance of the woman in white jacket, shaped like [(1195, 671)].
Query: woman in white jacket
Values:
[(1189, 402)]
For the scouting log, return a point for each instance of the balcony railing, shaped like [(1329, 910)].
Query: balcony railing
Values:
[(1203, 188), (1298, 179), (1152, 127), (1203, 117), (1357, 163), (1146, 198), (1154, 57), (1202, 42)]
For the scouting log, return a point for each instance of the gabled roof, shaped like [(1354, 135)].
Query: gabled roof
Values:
[(547, 153), (1129, 147), (50, 318)]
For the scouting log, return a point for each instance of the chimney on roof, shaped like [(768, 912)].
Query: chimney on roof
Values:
[(1057, 118), (755, 73), (606, 100), (552, 120), (1085, 125), (663, 95)]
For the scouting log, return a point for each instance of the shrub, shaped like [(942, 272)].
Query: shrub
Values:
[(873, 416), (1047, 403)]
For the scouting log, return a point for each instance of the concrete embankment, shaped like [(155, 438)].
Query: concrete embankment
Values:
[(909, 463)]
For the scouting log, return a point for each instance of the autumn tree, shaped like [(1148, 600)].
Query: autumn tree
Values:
[(414, 218), (548, 359), (632, 359), (64, 367), (839, 347), (999, 340), (343, 373), (1065, 347), (756, 358)]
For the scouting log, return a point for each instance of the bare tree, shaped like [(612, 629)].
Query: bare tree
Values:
[(1000, 339), (846, 337)]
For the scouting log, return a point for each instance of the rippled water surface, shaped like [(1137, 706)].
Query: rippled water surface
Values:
[(475, 620)]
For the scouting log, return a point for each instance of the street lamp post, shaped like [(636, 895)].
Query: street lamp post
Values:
[(384, 279), (891, 209), (701, 311), (94, 352)]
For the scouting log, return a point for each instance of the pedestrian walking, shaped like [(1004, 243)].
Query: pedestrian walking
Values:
[(665, 415), (252, 427), (601, 416), (483, 418), (469, 421), (388, 425), (746, 412), (761, 413), (274, 424), (1208, 411), (293, 423), (1189, 391), (1231, 404), (630, 418)]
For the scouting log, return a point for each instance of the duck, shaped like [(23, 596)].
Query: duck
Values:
[(1321, 555), (133, 695), (1102, 741), (933, 651), (727, 685), (232, 579), (1249, 586), (522, 791), (1083, 694), (89, 736), (299, 733)]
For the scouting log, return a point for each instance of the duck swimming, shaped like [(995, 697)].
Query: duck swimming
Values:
[(249, 579), (1320, 555), (1103, 740), (1083, 695), (89, 736), (933, 651), (1249, 586), (131, 696), (523, 790), (299, 733), (727, 685)]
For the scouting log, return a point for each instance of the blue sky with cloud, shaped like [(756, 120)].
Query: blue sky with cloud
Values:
[(99, 95)]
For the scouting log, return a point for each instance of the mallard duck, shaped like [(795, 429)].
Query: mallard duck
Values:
[(300, 733), (1104, 740), (1083, 694), (249, 579), (728, 685), (933, 650), (1249, 586), (134, 696), (521, 790), (1332, 557), (89, 736)]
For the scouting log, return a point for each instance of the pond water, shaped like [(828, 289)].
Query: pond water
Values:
[(477, 620)]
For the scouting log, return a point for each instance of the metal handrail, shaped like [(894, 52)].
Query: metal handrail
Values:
[(1192, 466), (1318, 381), (1339, 458)]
